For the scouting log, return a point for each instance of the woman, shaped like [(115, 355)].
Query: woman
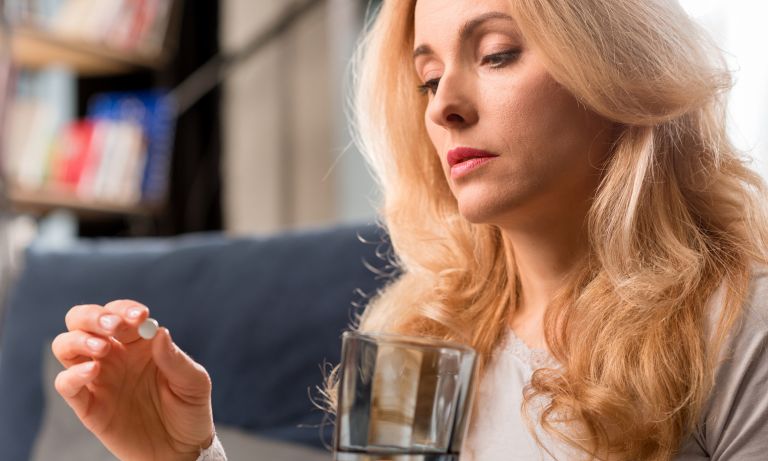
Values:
[(563, 197)]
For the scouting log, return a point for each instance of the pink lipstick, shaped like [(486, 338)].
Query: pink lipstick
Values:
[(462, 160)]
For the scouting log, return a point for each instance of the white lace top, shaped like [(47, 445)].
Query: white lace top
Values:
[(734, 425), (498, 430)]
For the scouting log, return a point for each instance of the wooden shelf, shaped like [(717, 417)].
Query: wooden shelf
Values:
[(46, 201), (34, 49)]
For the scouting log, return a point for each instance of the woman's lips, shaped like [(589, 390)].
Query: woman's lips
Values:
[(462, 160)]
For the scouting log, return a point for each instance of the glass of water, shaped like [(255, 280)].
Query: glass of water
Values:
[(402, 398)]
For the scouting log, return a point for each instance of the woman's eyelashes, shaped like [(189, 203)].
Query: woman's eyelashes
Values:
[(430, 86), (498, 60), (494, 61)]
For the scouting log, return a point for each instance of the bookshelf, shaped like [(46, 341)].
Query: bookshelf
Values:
[(55, 36), (41, 202), (36, 49)]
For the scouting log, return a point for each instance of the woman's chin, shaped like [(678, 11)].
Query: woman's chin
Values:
[(479, 211), (489, 206)]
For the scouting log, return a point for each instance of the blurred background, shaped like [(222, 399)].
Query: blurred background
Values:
[(162, 117)]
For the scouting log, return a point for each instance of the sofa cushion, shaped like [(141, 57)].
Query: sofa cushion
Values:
[(261, 314)]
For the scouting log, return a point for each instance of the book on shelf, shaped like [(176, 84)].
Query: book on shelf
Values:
[(133, 25), (75, 141), (42, 105), (118, 154), (150, 111)]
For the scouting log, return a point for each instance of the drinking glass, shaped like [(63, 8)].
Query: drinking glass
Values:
[(402, 398)]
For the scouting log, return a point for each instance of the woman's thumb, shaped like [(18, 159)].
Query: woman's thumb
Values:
[(186, 377)]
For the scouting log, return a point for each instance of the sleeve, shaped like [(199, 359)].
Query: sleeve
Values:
[(213, 453), (735, 424)]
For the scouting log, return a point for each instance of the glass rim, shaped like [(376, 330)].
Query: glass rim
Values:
[(413, 341)]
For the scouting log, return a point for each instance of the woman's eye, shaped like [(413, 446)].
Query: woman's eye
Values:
[(497, 60), (430, 86)]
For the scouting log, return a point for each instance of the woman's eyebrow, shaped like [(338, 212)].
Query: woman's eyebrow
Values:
[(466, 30)]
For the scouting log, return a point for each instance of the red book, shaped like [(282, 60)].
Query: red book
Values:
[(77, 142), (73, 152)]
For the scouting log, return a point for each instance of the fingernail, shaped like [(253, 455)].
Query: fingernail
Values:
[(109, 322), (134, 312), (87, 367), (95, 344)]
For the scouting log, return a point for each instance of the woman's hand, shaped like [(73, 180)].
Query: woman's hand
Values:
[(143, 399)]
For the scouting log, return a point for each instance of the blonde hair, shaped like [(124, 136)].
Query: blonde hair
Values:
[(678, 214)]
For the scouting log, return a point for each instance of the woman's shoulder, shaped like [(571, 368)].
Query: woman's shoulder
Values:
[(735, 420), (755, 311), (749, 334)]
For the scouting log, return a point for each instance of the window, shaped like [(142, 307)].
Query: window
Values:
[(739, 28)]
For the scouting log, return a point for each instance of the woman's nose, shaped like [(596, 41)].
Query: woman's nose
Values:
[(452, 106)]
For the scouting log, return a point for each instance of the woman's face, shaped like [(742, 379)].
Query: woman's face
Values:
[(534, 150)]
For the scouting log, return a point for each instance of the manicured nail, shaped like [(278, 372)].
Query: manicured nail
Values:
[(95, 344), (134, 312), (87, 367), (109, 322)]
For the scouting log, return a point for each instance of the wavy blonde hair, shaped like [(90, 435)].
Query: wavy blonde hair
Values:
[(678, 213)]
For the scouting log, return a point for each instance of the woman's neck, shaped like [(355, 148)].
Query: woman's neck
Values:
[(544, 258)]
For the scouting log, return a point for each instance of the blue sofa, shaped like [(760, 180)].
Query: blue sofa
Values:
[(261, 314)]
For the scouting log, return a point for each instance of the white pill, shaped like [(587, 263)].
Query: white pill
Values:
[(148, 328)]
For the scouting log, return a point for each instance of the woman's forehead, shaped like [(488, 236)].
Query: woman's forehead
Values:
[(446, 18)]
